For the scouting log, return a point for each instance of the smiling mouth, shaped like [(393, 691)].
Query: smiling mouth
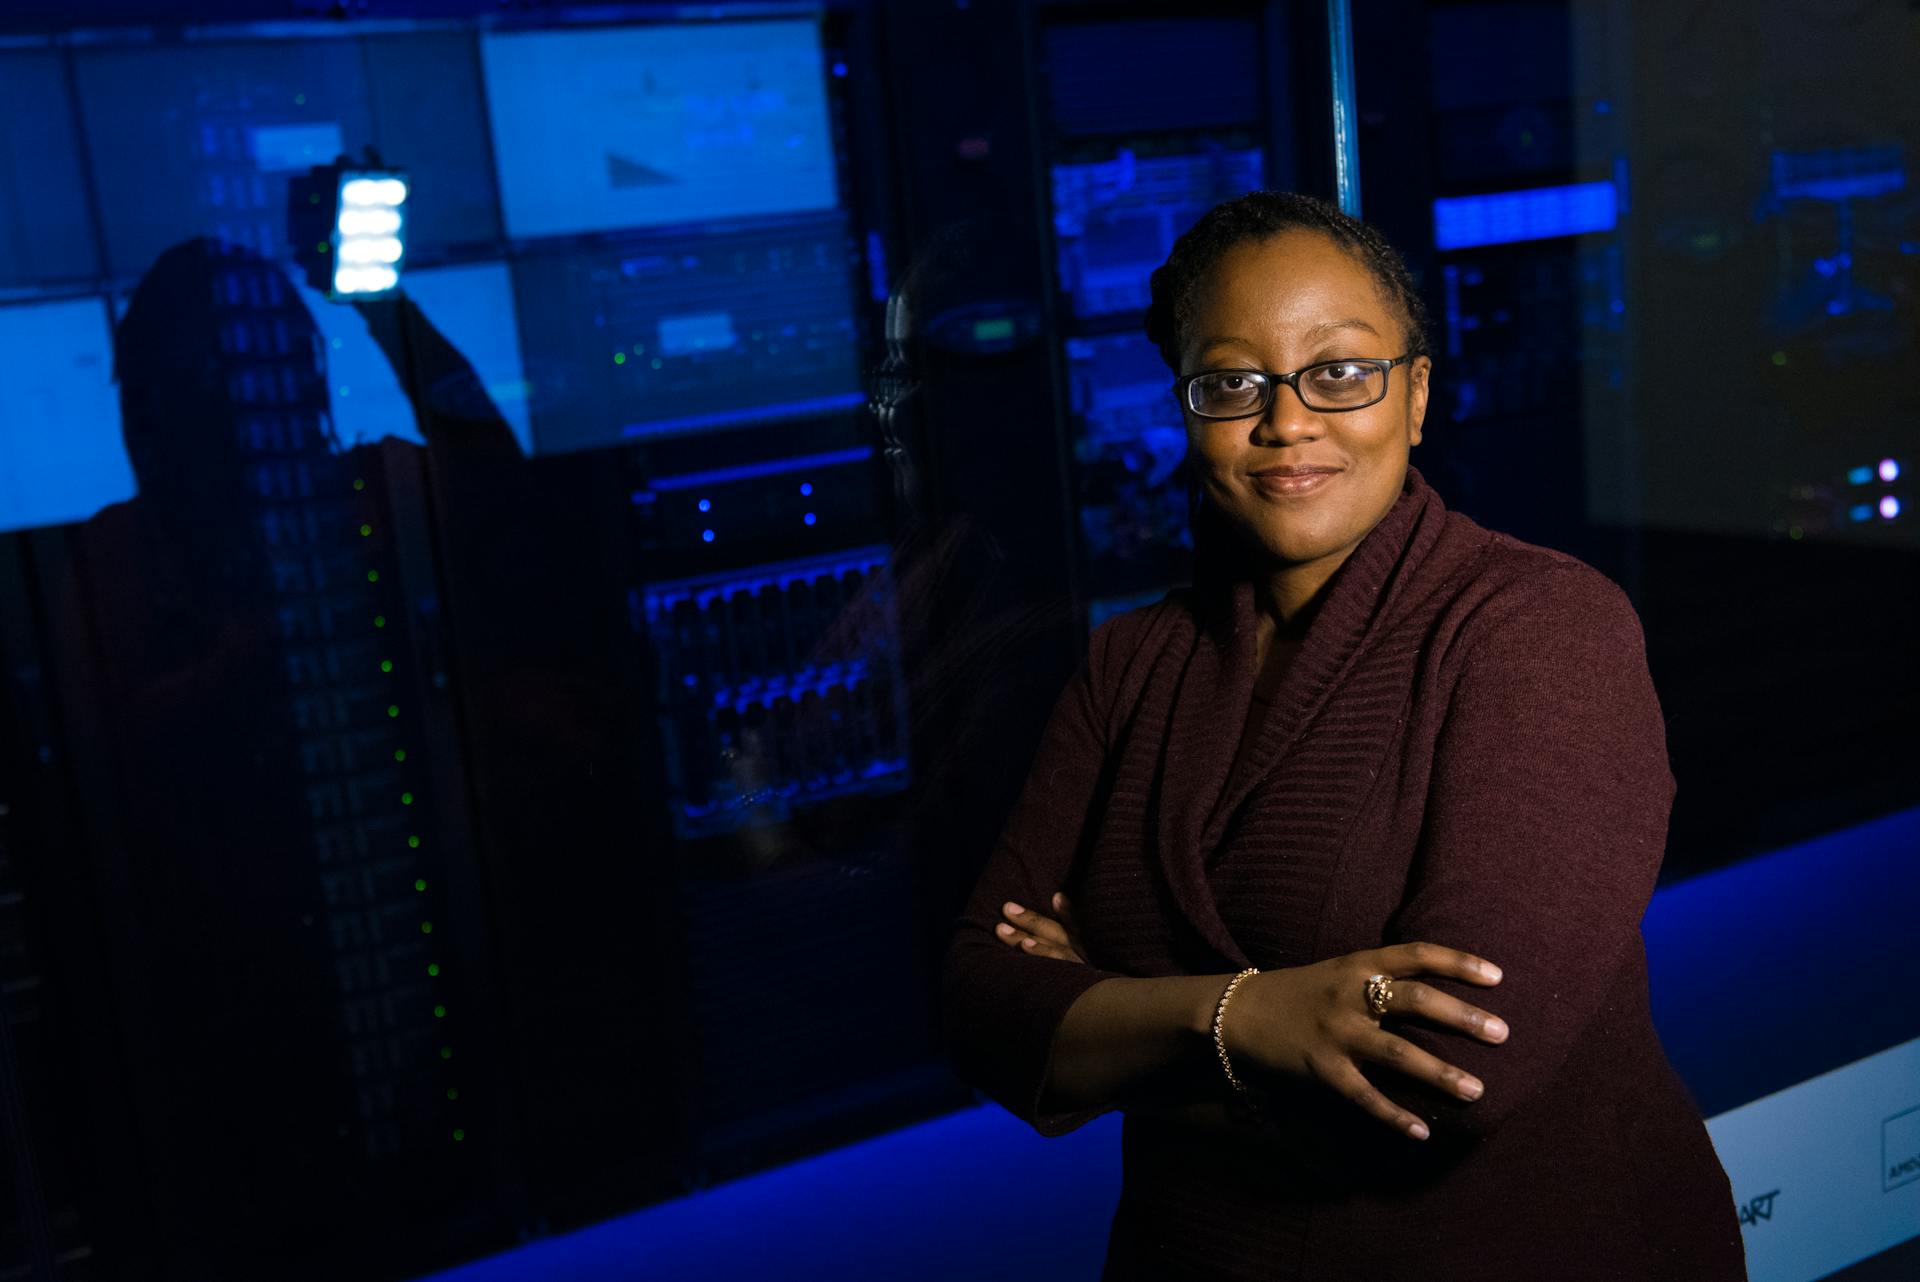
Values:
[(1281, 485)]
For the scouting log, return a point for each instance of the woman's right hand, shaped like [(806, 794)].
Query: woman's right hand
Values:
[(1314, 1022)]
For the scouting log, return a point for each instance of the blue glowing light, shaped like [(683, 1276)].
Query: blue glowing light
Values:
[(691, 335), (1838, 173), (770, 467), (706, 536), (369, 227), (876, 267), (748, 414), (1504, 218), (706, 505)]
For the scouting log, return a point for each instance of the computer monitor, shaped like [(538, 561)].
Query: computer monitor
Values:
[(61, 454), (646, 126)]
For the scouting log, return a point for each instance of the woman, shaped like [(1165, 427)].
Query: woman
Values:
[(1353, 839)]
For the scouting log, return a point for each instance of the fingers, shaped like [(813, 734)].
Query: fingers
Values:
[(1035, 934), (1434, 959), (1064, 911), (1411, 997), (1398, 1053), (1320, 1024), (1339, 1073), (1046, 928)]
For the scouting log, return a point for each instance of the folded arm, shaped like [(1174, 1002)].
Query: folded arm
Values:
[(1543, 836), (1058, 1042)]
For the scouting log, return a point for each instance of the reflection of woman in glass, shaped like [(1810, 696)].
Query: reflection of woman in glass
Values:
[(1299, 813)]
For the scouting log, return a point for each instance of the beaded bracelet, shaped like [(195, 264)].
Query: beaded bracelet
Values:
[(1219, 1041)]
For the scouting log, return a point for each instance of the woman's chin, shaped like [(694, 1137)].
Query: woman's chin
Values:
[(1288, 544)]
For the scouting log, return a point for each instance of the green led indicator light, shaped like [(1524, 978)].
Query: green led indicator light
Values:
[(446, 1052), (459, 1135), (379, 620), (426, 928), (419, 883), (365, 530), (656, 362), (406, 799), (386, 665), (453, 1092), (439, 1012), (1779, 358), (393, 709), (373, 576), (399, 754), (359, 482), (413, 843), (433, 968), (619, 358)]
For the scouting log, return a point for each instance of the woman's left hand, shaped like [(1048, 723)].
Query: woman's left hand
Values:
[(1045, 936)]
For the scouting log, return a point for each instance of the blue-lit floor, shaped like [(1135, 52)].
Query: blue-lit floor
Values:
[(1764, 974), (972, 1195)]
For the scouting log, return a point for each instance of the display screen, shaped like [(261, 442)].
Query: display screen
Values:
[(61, 456), (647, 126), (689, 334), (201, 140), (40, 178), (472, 306)]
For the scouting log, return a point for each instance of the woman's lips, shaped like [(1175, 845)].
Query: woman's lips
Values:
[(1288, 486)]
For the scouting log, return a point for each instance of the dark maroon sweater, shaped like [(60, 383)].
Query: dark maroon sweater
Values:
[(1466, 749)]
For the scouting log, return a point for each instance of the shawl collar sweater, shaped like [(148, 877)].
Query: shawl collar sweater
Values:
[(1466, 749)]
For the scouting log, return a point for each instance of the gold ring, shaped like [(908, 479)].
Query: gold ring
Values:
[(1379, 993)]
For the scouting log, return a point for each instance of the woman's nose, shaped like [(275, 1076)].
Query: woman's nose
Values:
[(1287, 417)]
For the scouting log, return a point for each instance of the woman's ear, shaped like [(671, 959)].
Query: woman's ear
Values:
[(1417, 376)]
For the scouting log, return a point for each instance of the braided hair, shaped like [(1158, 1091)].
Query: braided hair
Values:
[(1220, 552), (1257, 216)]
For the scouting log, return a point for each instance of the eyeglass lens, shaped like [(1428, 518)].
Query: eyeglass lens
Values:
[(1336, 385)]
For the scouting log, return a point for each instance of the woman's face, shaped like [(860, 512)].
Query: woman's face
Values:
[(1278, 305)]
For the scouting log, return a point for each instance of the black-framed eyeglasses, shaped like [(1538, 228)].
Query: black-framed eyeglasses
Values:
[(1328, 386)]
